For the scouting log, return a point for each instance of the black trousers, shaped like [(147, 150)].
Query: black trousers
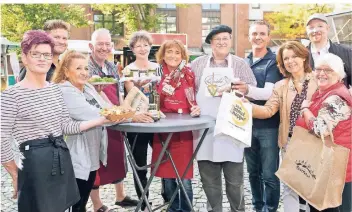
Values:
[(84, 188), (140, 152)]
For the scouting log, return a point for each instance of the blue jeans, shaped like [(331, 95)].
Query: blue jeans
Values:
[(262, 162), (180, 203)]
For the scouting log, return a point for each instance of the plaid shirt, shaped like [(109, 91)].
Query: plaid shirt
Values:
[(95, 69), (240, 68)]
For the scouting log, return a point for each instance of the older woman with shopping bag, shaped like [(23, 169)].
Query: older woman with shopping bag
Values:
[(330, 110)]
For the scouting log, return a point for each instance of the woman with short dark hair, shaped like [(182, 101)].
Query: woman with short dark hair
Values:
[(287, 97), (34, 113)]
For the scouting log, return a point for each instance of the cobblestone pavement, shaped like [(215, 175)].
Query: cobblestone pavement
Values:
[(107, 194)]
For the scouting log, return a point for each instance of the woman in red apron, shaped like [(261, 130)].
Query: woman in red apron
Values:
[(181, 79)]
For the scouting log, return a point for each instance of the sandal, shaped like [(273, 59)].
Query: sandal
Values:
[(104, 208), (126, 202)]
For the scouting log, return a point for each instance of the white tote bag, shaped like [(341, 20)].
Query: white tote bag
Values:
[(234, 119)]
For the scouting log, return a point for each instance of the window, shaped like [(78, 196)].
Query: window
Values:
[(255, 6), (168, 19), (109, 22), (210, 19), (211, 7), (167, 6)]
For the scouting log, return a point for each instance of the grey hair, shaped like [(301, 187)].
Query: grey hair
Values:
[(140, 35), (260, 22), (98, 32), (334, 62)]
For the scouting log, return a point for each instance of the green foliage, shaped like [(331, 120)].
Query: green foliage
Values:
[(18, 18), (134, 16), (289, 22)]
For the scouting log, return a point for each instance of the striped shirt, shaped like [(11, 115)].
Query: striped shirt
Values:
[(28, 114), (240, 68)]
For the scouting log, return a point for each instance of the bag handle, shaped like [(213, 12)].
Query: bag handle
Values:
[(330, 132)]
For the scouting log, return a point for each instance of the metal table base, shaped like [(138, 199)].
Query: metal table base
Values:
[(205, 124)]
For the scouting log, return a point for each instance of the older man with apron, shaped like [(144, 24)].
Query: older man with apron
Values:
[(214, 74)]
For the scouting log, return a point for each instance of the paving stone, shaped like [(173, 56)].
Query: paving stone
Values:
[(108, 193)]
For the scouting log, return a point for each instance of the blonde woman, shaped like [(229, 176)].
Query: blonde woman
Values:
[(84, 103)]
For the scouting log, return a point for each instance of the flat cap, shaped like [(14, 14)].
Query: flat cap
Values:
[(318, 16), (216, 30)]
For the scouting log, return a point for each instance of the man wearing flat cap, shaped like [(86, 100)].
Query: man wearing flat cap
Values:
[(317, 30), (213, 75)]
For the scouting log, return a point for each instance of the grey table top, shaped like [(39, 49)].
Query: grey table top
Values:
[(172, 123)]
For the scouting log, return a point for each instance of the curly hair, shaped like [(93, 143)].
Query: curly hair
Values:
[(300, 50), (34, 38), (169, 44), (140, 35), (59, 74)]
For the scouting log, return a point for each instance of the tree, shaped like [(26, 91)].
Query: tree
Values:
[(134, 16), (289, 21), (16, 19)]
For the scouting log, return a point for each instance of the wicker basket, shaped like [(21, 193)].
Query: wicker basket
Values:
[(117, 117)]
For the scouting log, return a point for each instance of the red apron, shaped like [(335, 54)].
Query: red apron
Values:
[(115, 169), (181, 144)]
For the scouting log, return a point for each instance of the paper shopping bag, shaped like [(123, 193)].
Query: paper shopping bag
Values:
[(315, 168), (136, 100), (234, 119)]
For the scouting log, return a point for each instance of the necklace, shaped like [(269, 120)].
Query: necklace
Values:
[(300, 81)]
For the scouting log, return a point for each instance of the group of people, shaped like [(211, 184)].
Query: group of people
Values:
[(68, 151)]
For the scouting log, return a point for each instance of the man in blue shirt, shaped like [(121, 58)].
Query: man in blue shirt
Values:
[(263, 156)]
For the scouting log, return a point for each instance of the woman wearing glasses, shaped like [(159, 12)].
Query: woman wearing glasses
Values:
[(330, 109), (141, 43), (34, 114)]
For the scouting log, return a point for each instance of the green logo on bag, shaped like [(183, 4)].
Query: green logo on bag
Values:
[(305, 168)]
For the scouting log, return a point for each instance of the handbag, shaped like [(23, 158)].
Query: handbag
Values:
[(315, 168), (234, 120)]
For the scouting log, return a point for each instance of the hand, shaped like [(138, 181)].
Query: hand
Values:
[(350, 90), (241, 87), (99, 88), (141, 83), (195, 111), (245, 100), (167, 80), (143, 118), (107, 121), (305, 104)]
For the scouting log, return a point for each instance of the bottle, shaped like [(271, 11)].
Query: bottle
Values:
[(154, 102)]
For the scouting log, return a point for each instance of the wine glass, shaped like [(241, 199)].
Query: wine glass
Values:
[(190, 96)]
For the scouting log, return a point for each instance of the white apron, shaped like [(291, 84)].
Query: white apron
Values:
[(215, 149)]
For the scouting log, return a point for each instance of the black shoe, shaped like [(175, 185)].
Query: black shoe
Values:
[(128, 201)]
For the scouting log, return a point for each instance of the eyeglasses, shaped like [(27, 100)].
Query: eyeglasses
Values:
[(101, 45), (326, 71), (218, 40), (142, 46), (47, 56)]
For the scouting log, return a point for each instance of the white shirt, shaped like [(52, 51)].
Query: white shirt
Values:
[(316, 54), (105, 70)]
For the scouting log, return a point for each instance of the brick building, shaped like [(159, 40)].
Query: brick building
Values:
[(195, 20)]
